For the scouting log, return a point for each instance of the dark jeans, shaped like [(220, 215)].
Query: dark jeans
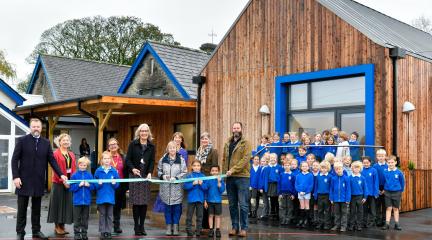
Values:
[(81, 216), (369, 211), (198, 206), (287, 207), (173, 213), (356, 211), (22, 213), (238, 198), (341, 214), (324, 215)]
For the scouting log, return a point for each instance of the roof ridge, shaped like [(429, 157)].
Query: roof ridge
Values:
[(179, 47), (85, 60), (409, 25)]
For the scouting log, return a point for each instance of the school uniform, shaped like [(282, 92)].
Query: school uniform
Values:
[(330, 149), (372, 192), (358, 193), (286, 189), (348, 171), (275, 147), (354, 151), (81, 202), (263, 185), (195, 201), (105, 198), (293, 148), (214, 196), (340, 195), (321, 194), (301, 159), (380, 201), (272, 192), (255, 172), (394, 184), (304, 183), (313, 213), (261, 149), (317, 151), (296, 201)]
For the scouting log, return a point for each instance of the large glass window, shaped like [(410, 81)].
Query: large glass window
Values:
[(5, 126), (311, 122), (298, 96), (351, 122), (4, 163)]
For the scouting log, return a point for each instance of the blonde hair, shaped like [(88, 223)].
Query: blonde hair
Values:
[(120, 151), (140, 127), (293, 133), (343, 135), (58, 139), (274, 155), (326, 165), (170, 143), (105, 153), (84, 160), (381, 151), (329, 157), (357, 164), (338, 165)]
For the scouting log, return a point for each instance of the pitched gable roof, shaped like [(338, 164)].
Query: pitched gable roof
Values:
[(382, 29), (179, 63), (73, 78), (10, 92)]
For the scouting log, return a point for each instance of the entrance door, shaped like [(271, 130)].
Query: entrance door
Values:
[(4, 165)]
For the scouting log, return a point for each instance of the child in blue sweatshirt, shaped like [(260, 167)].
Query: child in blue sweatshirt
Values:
[(340, 197), (380, 166), (358, 196), (354, 151), (263, 185), (316, 150), (106, 194), (276, 145), (254, 197), (293, 144), (195, 199), (274, 172), (304, 186), (371, 176), (286, 190), (262, 148), (394, 184), (81, 198), (213, 202), (321, 195), (301, 157), (313, 212), (330, 149)]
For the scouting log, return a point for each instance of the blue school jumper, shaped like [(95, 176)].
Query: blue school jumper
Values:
[(322, 184), (106, 191), (274, 173), (301, 159), (304, 182), (333, 172), (348, 170), (354, 151), (293, 150), (254, 177), (195, 192), (259, 147), (286, 184), (295, 171), (394, 180), (277, 150), (263, 178), (358, 186), (371, 176), (340, 189), (81, 195), (380, 170), (329, 149), (317, 151), (214, 193)]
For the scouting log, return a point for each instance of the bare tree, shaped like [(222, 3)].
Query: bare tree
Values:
[(423, 23)]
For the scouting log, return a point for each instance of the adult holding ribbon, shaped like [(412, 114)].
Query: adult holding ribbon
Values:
[(235, 161), (140, 160), (60, 211), (29, 164)]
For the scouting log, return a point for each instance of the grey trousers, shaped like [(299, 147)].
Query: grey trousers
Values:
[(324, 215), (266, 207), (356, 211), (341, 210), (287, 207), (81, 216), (105, 217), (198, 206)]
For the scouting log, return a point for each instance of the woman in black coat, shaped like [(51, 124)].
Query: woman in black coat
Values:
[(140, 161)]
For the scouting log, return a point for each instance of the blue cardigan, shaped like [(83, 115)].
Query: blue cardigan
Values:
[(274, 173), (106, 191), (380, 170), (263, 179), (81, 195), (254, 177)]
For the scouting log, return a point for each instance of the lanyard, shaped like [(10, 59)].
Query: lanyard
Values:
[(68, 160)]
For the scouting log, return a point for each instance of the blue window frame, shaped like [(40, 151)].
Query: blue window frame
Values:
[(282, 94)]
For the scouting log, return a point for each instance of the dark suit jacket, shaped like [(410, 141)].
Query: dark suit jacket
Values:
[(31, 165)]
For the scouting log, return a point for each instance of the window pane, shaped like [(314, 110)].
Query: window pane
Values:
[(5, 126), (4, 154), (19, 131), (336, 93), (298, 96), (189, 134), (311, 122), (351, 122)]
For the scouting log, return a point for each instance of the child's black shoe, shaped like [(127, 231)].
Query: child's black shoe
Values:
[(218, 233), (386, 227), (211, 233), (397, 227), (189, 233)]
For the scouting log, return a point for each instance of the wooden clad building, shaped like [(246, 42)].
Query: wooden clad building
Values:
[(319, 64)]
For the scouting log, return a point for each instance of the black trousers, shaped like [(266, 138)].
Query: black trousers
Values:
[(139, 215), (198, 206), (274, 206), (81, 216), (356, 211), (120, 197), (380, 210), (22, 213), (324, 215), (369, 211), (341, 214), (287, 208)]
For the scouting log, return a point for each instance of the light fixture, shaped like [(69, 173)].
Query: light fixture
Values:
[(264, 110), (408, 107)]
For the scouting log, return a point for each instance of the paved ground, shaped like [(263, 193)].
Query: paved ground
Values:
[(416, 225)]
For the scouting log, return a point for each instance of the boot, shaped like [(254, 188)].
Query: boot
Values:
[(62, 226), (305, 221), (117, 228), (211, 233), (58, 230), (386, 226), (175, 230), (169, 230), (397, 227), (301, 217)]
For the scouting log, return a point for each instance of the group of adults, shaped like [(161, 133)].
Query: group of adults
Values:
[(32, 153)]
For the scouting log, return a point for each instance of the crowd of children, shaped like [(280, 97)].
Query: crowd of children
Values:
[(324, 183)]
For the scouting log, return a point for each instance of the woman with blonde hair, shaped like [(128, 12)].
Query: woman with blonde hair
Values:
[(140, 162), (60, 211)]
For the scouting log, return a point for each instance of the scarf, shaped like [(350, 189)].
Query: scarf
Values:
[(203, 153)]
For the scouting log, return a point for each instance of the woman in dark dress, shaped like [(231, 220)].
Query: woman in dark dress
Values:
[(208, 157), (140, 161), (84, 148), (120, 196)]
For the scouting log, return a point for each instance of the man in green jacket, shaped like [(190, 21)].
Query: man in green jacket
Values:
[(236, 157)]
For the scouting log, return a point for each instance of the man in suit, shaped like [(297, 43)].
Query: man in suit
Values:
[(29, 165)]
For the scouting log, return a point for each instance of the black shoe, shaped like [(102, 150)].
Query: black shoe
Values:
[(78, 236), (211, 233), (318, 226), (326, 228), (189, 233), (84, 236), (386, 227), (335, 228), (218, 233), (263, 218), (350, 228), (117, 229), (198, 233), (397, 227), (39, 235), (343, 229), (20, 236), (305, 224), (359, 228), (299, 224)]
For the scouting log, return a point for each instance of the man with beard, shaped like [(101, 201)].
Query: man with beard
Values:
[(235, 162), (29, 164)]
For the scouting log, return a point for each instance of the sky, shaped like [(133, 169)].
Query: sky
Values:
[(190, 21)]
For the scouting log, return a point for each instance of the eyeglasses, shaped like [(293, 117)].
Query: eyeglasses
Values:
[(144, 130), (112, 144)]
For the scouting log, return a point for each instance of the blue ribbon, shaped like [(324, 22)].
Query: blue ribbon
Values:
[(157, 181)]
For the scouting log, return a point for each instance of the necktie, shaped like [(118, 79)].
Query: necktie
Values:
[(37, 140)]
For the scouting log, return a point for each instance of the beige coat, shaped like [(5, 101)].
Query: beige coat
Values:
[(241, 155)]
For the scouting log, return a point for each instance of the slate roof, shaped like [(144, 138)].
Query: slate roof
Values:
[(184, 63), (382, 29), (74, 78)]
